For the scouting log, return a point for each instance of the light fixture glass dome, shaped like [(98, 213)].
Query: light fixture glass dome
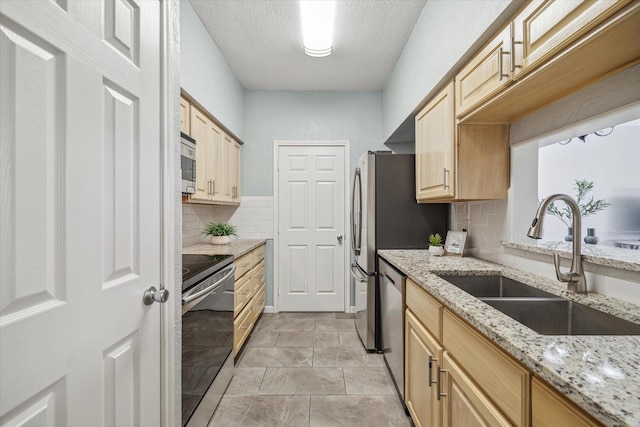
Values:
[(317, 26)]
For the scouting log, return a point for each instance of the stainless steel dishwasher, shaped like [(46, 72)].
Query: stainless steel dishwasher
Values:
[(392, 300)]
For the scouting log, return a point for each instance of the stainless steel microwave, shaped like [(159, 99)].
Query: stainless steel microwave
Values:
[(188, 163)]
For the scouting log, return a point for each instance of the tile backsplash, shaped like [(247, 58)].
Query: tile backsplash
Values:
[(485, 223), (253, 218)]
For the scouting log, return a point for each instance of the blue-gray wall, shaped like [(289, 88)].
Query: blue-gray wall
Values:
[(304, 116), (205, 73)]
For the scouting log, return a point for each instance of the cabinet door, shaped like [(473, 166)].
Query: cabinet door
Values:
[(550, 409), (435, 148), (234, 172), (486, 74), (545, 27), (215, 163), (185, 116), (226, 168), (201, 133), (420, 394), (464, 403)]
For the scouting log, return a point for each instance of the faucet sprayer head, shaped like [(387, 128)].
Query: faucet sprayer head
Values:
[(535, 231)]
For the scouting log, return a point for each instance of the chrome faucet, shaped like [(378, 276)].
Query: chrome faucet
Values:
[(575, 278)]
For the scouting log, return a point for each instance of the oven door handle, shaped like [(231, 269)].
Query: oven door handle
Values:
[(213, 287)]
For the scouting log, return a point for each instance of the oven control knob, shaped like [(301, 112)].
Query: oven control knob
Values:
[(151, 295)]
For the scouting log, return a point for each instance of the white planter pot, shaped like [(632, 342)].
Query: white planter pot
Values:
[(436, 250), (220, 240)]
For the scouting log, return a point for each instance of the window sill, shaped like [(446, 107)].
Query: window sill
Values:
[(624, 259)]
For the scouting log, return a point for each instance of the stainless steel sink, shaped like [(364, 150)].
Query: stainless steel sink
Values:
[(559, 316), (541, 311), (494, 286)]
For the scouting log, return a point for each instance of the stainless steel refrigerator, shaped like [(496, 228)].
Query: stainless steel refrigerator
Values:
[(385, 215)]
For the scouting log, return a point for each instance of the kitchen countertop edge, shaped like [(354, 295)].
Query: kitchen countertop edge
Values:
[(598, 373), (237, 248)]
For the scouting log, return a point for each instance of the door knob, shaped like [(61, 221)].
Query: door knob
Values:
[(151, 295), (340, 238)]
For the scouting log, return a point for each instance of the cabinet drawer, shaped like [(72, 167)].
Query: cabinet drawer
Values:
[(259, 301), (504, 381), (258, 254), (242, 326), (257, 275), (426, 308), (550, 409), (242, 293), (243, 264)]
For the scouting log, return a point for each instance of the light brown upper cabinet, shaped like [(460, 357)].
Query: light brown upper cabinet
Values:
[(459, 162), (208, 148), (486, 74), (234, 171), (185, 116), (217, 157), (554, 49), (545, 27), (435, 147)]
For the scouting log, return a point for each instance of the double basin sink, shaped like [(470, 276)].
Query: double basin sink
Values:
[(541, 311)]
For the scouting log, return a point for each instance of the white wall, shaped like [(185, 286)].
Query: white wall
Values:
[(446, 34), (205, 73), (304, 116)]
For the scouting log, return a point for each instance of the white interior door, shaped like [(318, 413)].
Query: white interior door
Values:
[(311, 228), (80, 212)]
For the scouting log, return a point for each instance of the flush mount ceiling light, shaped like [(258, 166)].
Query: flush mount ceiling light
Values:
[(317, 26)]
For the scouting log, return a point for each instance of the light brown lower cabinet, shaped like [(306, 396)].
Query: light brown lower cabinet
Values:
[(421, 356), (249, 295), (465, 405), (479, 384), (550, 409)]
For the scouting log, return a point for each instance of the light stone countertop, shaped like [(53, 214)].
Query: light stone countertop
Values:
[(625, 259), (601, 374), (237, 248)]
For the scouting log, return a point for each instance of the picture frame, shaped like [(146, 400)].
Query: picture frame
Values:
[(455, 243)]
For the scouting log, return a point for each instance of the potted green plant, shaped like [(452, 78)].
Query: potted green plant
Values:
[(587, 207), (220, 232), (435, 244)]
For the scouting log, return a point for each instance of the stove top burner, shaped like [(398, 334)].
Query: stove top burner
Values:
[(198, 267)]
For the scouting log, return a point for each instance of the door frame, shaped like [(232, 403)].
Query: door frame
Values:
[(171, 215), (346, 235)]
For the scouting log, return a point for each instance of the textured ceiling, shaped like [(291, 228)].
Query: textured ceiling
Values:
[(262, 42)]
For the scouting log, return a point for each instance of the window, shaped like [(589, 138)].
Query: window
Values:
[(611, 165)]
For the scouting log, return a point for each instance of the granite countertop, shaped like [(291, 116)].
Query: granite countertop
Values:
[(237, 248), (598, 373), (625, 259)]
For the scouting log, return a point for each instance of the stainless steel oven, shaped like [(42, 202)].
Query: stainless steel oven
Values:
[(188, 163), (207, 334)]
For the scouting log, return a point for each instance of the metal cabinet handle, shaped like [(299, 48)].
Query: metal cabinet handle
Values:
[(214, 187), (439, 371), (501, 52), (431, 360), (513, 54), (444, 178)]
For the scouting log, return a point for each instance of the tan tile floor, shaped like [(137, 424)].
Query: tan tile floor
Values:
[(309, 369)]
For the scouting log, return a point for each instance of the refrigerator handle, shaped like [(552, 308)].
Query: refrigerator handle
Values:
[(356, 235)]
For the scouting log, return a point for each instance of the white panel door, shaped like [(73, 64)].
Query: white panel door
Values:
[(311, 227), (79, 212)]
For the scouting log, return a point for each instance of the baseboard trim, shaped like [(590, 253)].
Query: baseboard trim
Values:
[(268, 309)]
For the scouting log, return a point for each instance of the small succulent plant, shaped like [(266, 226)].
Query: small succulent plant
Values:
[(435, 239), (220, 229)]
